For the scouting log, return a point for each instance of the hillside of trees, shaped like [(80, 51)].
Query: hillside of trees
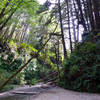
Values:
[(56, 42)]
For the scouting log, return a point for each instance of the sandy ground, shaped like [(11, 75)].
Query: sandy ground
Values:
[(62, 94)]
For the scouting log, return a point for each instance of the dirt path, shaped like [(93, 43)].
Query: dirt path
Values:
[(46, 92), (62, 94)]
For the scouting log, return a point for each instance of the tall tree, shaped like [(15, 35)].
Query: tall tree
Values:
[(62, 32)]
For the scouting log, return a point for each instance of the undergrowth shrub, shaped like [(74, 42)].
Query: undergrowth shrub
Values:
[(82, 68)]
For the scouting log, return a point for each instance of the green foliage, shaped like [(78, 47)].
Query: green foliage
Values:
[(34, 81), (26, 47), (30, 6), (17, 53), (9, 63), (82, 68), (98, 34), (74, 69), (12, 44), (7, 88), (42, 8), (3, 75)]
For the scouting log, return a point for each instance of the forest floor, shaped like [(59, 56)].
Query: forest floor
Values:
[(46, 92)]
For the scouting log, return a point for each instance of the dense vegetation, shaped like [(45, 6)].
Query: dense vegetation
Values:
[(83, 68), (58, 42)]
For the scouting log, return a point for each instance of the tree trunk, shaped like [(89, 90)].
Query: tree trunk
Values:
[(90, 15), (62, 32), (9, 17), (4, 33), (57, 59), (70, 38), (3, 10), (12, 31), (77, 17), (82, 20), (24, 66), (85, 9), (24, 33), (96, 5), (73, 23), (14, 74)]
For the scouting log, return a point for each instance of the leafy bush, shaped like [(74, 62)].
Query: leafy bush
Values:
[(7, 88), (82, 68), (8, 64)]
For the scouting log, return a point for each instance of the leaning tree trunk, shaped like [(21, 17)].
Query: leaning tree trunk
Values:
[(25, 65), (3, 10), (9, 17), (14, 74)]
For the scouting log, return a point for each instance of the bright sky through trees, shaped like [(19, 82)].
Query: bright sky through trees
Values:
[(41, 1)]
